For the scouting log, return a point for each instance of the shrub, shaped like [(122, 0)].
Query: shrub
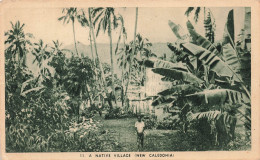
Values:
[(150, 122), (168, 123), (117, 113), (83, 137), (113, 113), (79, 137)]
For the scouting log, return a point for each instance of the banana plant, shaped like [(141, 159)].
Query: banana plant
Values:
[(207, 82)]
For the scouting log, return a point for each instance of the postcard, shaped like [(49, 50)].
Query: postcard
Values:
[(129, 79)]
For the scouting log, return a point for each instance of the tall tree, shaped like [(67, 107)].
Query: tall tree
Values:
[(90, 10), (18, 42), (133, 50), (70, 15), (84, 21), (106, 18), (124, 35)]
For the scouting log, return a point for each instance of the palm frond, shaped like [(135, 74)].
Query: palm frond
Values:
[(188, 11)]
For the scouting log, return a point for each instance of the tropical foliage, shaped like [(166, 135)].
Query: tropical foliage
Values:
[(53, 107), (208, 85), (42, 109)]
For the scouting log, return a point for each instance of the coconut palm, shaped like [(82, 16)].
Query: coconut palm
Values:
[(70, 15), (133, 50), (105, 90), (124, 35), (106, 18)]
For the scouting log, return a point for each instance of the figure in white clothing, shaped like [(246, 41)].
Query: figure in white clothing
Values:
[(139, 125)]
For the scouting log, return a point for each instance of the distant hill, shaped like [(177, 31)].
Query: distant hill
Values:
[(104, 52)]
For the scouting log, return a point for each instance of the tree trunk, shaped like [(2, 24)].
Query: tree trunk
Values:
[(111, 59), (91, 48), (73, 27), (100, 64), (80, 95), (88, 93), (122, 71), (133, 51), (123, 80)]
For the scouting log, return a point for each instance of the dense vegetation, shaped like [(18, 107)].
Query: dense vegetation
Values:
[(54, 109)]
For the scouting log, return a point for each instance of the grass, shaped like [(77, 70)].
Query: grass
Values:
[(123, 131)]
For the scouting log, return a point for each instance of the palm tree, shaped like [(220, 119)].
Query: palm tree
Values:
[(105, 18), (90, 10), (124, 35), (18, 42), (70, 15), (133, 50), (84, 21)]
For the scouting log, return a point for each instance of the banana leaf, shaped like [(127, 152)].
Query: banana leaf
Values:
[(218, 96), (209, 115), (178, 75), (175, 48), (31, 90), (185, 88), (228, 37), (158, 63), (177, 30), (231, 58), (215, 64), (200, 40), (166, 100), (181, 56)]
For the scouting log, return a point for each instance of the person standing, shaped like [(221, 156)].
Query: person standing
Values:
[(139, 125), (100, 109)]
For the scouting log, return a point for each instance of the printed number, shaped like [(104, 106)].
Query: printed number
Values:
[(82, 155)]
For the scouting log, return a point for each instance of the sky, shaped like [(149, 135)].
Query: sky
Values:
[(152, 23)]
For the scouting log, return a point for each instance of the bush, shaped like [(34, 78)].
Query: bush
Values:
[(113, 113), (117, 113), (83, 137), (195, 141), (168, 123), (79, 137), (150, 122)]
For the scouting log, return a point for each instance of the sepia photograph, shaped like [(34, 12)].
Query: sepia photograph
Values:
[(123, 80)]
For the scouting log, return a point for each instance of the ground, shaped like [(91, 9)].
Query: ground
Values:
[(124, 131)]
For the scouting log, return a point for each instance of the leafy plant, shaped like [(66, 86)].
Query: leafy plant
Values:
[(205, 78)]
